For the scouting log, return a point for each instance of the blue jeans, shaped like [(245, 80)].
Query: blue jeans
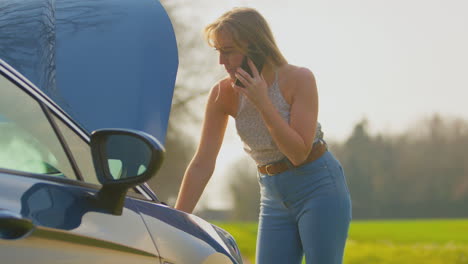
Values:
[(304, 210)]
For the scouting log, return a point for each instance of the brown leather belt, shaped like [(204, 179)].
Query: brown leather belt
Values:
[(317, 151)]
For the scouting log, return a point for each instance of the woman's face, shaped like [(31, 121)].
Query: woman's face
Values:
[(229, 56)]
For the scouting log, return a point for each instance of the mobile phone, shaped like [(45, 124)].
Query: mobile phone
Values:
[(258, 60)]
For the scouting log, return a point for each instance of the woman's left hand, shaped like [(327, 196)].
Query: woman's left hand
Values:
[(256, 88)]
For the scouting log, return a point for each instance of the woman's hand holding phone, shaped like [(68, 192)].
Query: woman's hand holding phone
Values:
[(245, 67), (256, 58), (254, 85)]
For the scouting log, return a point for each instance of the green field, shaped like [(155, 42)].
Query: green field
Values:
[(385, 242)]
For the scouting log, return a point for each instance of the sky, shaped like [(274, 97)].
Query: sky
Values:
[(393, 62)]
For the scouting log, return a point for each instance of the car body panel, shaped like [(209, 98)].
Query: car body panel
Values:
[(62, 215), (182, 237), (108, 63)]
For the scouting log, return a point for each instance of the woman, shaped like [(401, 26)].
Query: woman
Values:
[(305, 203)]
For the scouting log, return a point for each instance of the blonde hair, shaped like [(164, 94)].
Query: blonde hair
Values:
[(250, 33)]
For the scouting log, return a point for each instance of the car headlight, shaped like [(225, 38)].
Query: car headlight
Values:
[(230, 243)]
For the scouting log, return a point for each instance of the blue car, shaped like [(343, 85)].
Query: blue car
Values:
[(85, 94)]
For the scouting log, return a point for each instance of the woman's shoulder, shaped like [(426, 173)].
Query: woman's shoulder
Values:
[(297, 73), (222, 87), (293, 79), (224, 96), (224, 83)]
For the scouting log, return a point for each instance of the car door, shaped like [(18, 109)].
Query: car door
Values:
[(45, 210)]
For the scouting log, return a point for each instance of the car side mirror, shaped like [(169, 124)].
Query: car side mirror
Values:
[(123, 159)]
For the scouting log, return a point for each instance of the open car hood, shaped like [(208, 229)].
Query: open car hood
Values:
[(107, 63)]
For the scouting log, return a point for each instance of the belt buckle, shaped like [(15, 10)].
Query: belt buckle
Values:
[(266, 169)]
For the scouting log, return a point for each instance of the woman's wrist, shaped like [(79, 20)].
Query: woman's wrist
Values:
[(266, 109)]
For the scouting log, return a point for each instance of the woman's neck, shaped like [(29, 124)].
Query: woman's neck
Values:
[(268, 73)]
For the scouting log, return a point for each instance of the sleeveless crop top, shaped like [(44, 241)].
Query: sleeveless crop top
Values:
[(257, 140)]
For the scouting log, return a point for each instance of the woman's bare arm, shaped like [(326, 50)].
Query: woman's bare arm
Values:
[(203, 163), (296, 138)]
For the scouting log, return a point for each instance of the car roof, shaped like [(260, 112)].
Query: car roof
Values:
[(108, 63)]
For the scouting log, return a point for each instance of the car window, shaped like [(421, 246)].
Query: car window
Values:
[(27, 140), (80, 150)]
